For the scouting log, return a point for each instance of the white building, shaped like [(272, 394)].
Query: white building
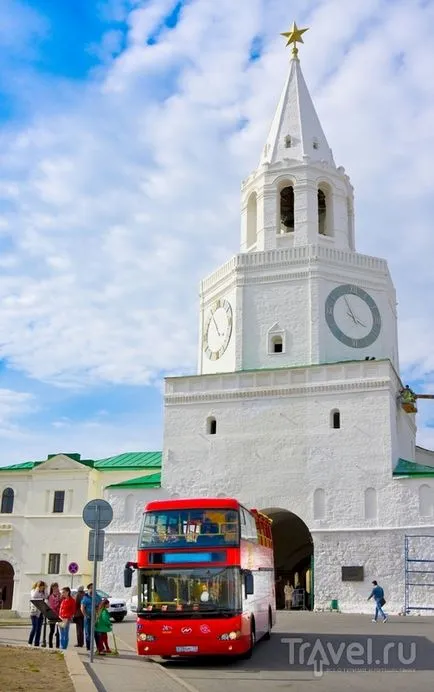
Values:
[(41, 525), (296, 408)]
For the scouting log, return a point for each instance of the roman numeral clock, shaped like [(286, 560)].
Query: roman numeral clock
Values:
[(217, 329), (352, 316)]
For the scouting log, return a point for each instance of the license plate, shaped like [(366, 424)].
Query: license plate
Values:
[(186, 649)]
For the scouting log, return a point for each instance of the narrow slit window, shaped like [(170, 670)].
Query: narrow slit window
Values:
[(54, 563), (211, 426), (336, 420)]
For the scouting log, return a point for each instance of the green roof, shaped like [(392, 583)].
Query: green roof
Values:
[(131, 460), (409, 469), (151, 481)]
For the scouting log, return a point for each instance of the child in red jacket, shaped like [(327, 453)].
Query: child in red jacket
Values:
[(66, 613)]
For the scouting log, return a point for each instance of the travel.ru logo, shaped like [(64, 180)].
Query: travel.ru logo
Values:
[(321, 654)]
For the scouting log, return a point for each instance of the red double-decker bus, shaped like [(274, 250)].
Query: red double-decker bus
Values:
[(205, 578)]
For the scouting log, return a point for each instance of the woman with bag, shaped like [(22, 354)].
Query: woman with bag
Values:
[(38, 593), (66, 614)]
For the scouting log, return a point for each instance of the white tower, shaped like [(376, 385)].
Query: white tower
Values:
[(298, 293)]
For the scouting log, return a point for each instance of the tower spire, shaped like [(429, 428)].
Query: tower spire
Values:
[(296, 131)]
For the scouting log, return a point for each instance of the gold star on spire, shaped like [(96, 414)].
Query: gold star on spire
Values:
[(294, 35)]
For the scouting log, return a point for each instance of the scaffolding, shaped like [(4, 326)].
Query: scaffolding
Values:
[(419, 565)]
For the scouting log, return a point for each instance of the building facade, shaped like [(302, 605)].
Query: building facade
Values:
[(41, 525)]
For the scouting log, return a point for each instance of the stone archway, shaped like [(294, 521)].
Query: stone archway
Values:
[(293, 554), (7, 575)]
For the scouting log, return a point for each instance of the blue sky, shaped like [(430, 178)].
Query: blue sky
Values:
[(126, 127)]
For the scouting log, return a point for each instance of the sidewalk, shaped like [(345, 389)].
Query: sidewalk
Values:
[(115, 673)]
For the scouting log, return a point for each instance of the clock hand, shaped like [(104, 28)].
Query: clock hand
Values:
[(350, 311), (213, 319), (361, 323)]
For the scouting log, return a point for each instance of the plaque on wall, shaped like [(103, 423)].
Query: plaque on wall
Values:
[(352, 574)]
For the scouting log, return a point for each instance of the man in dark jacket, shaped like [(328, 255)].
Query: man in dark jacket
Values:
[(377, 594), (79, 617)]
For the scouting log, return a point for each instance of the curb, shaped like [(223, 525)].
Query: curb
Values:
[(80, 678)]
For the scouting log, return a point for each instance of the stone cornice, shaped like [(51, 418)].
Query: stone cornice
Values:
[(271, 392), (287, 258)]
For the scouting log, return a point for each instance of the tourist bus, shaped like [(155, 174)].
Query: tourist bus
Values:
[(205, 578)]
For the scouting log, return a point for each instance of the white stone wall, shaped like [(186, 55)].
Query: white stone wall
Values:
[(275, 447), (122, 535)]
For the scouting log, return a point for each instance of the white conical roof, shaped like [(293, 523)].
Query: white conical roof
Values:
[(296, 118)]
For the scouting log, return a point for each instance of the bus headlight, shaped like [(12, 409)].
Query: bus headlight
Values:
[(230, 635), (146, 637)]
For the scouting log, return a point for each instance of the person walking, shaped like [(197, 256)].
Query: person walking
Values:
[(66, 613), (103, 626), (377, 594), (86, 609), (38, 593), (79, 617), (54, 599)]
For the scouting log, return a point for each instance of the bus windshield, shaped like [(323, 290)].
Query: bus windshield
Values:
[(201, 590), (188, 528)]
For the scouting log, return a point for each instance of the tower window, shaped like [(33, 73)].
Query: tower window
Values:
[(288, 141), (211, 426), (322, 213), (335, 419), (277, 344), (315, 143), (287, 209)]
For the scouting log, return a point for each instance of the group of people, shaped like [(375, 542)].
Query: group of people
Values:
[(69, 610)]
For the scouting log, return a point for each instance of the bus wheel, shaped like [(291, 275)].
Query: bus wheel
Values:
[(267, 634), (248, 654)]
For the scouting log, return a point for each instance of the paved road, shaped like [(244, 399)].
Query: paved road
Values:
[(353, 642), (346, 642)]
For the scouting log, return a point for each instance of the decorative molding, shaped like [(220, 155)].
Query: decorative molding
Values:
[(270, 392)]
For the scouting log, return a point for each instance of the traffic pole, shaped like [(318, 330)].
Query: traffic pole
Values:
[(93, 613)]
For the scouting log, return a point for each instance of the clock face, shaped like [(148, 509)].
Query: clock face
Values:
[(218, 330), (353, 316)]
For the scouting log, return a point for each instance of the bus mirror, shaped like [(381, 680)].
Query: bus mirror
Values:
[(128, 577), (248, 583)]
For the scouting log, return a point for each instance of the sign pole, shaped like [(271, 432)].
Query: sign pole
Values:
[(95, 563)]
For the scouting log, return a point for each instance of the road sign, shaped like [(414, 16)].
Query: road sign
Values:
[(95, 549), (73, 568), (97, 514)]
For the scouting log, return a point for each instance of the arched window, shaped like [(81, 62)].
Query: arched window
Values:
[(322, 212), (426, 501), (252, 220), (277, 344), (319, 504), (7, 506), (130, 507), (211, 426), (335, 419), (287, 209), (370, 503)]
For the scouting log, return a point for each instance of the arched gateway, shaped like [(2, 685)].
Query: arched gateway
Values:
[(6, 585), (293, 554)]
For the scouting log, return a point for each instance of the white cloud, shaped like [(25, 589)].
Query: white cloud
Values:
[(123, 196), (13, 405)]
